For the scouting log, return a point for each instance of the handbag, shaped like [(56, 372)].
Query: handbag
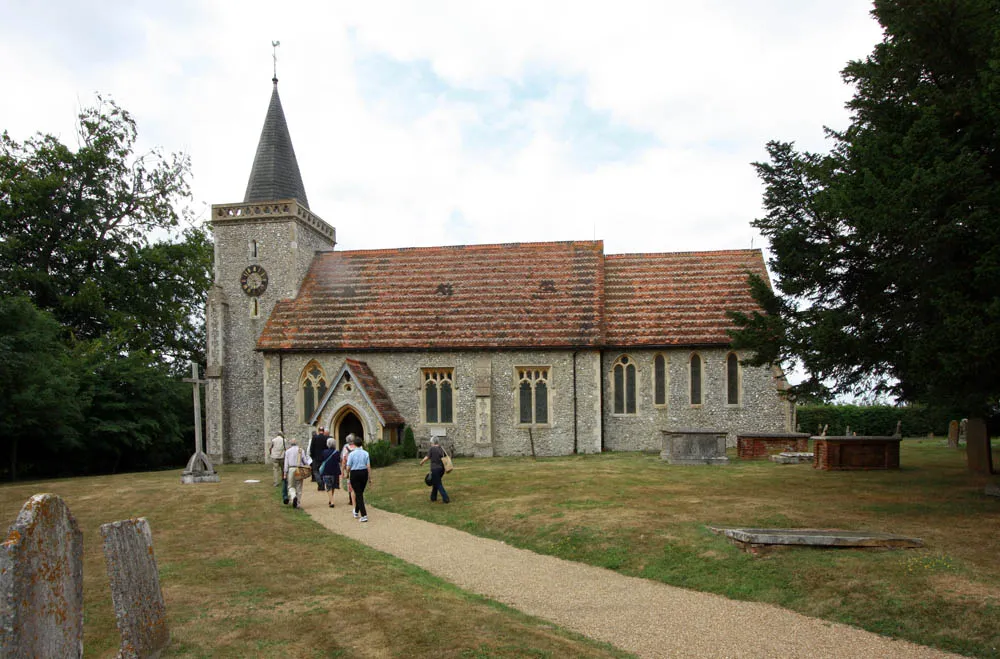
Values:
[(428, 481), (446, 461), (303, 472)]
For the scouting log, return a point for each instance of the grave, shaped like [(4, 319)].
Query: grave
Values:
[(842, 453), (762, 445), (694, 446), (978, 451), (953, 434), (793, 458), (755, 539), (41, 582), (135, 588)]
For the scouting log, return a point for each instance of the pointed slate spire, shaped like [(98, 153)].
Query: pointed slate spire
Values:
[(275, 174)]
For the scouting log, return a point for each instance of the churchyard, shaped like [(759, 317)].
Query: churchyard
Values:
[(244, 576), (637, 515)]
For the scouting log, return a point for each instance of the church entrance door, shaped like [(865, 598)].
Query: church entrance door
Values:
[(349, 423)]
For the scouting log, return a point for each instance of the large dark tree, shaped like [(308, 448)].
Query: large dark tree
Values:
[(104, 279), (886, 250)]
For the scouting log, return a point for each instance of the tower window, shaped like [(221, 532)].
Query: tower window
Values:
[(253, 249)]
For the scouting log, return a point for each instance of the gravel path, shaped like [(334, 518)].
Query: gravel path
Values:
[(647, 618)]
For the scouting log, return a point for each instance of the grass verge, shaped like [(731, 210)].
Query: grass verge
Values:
[(640, 516), (244, 576)]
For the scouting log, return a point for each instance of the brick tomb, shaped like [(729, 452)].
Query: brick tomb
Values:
[(856, 453), (761, 445)]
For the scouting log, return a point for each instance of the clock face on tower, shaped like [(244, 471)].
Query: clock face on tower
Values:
[(253, 281)]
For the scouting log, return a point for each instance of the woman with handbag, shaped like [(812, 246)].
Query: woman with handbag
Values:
[(296, 470), (437, 456)]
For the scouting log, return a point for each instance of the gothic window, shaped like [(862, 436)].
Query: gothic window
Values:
[(312, 388), (623, 385), (695, 372), (732, 379), (439, 404), (659, 380), (533, 395)]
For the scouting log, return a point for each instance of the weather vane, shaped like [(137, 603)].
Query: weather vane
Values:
[(274, 47)]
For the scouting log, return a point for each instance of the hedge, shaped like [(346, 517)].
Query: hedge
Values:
[(918, 420)]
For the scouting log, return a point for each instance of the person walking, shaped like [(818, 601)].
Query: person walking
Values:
[(360, 467), (436, 455), (316, 447), (295, 457), (344, 473), (329, 468), (276, 451)]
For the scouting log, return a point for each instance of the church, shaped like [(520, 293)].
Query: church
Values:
[(511, 349)]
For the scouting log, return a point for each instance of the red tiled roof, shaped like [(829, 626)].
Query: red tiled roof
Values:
[(676, 298), (376, 394), (517, 295)]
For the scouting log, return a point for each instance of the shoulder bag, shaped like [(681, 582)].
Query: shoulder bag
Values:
[(302, 472), (446, 461)]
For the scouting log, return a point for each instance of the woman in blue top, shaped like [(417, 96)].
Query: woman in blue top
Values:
[(359, 466)]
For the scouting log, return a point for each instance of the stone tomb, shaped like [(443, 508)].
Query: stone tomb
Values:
[(41, 582), (135, 588), (762, 445), (793, 458), (842, 453), (694, 446), (756, 539)]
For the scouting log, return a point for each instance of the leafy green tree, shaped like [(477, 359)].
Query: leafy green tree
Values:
[(76, 235), (39, 410), (886, 250)]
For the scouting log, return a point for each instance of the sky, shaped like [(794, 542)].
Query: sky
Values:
[(465, 122)]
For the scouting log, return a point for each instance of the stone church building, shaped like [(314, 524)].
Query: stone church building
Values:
[(546, 348)]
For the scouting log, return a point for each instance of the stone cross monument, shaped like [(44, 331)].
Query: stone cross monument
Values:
[(199, 467)]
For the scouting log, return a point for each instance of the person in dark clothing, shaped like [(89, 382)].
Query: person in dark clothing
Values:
[(329, 468), (436, 456), (316, 448)]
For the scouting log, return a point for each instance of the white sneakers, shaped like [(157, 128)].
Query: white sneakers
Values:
[(355, 513), (364, 519)]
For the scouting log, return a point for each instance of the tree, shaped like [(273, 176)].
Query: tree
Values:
[(886, 250), (105, 271), (76, 235)]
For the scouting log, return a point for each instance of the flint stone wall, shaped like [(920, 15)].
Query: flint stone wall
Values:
[(41, 582)]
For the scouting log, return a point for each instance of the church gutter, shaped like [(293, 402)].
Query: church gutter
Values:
[(576, 448), (281, 391)]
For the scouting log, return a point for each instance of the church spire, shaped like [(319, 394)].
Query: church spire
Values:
[(275, 174)]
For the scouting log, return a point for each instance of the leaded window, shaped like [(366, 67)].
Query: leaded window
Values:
[(533, 395), (732, 379), (312, 388), (439, 404), (696, 379), (659, 380), (623, 383)]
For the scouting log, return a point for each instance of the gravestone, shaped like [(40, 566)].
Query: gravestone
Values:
[(963, 428), (978, 451), (953, 434), (135, 588), (41, 582)]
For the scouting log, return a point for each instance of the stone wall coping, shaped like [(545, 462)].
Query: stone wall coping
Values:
[(858, 438), (774, 435)]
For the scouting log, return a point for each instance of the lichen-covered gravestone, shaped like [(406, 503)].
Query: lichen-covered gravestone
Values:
[(135, 588), (41, 582)]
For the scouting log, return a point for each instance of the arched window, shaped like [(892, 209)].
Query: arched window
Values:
[(732, 379), (312, 388), (533, 395), (623, 383), (659, 380), (254, 308), (695, 379), (253, 249), (439, 406)]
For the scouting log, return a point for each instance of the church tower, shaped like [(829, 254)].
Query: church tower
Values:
[(263, 248)]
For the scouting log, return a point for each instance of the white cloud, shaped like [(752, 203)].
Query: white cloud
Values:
[(696, 89)]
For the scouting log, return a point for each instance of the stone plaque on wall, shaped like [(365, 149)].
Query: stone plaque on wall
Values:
[(484, 372)]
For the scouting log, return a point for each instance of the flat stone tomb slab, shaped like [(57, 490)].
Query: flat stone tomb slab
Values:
[(793, 458), (818, 538)]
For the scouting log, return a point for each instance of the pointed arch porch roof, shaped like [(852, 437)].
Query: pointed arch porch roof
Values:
[(371, 390)]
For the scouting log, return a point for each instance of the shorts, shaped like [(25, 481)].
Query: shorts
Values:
[(331, 482)]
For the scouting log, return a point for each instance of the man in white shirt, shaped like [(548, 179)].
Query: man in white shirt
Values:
[(294, 457), (277, 455)]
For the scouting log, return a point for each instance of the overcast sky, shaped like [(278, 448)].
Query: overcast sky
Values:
[(441, 123)]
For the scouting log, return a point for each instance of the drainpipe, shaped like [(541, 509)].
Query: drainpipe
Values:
[(281, 392), (576, 448), (600, 392)]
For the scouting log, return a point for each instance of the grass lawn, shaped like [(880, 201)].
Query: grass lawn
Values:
[(640, 516), (244, 576)]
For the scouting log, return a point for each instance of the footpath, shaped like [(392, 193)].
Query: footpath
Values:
[(646, 618)]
